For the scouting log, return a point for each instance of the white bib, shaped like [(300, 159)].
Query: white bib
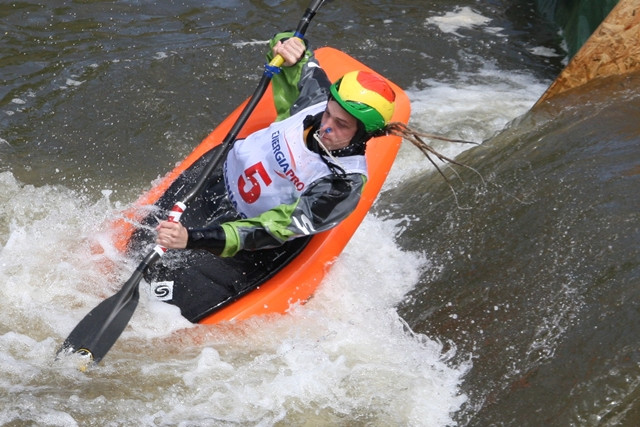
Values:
[(273, 166)]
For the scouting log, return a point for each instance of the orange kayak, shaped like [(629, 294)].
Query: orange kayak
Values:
[(297, 280)]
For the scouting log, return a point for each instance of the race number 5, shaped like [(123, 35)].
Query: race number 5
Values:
[(251, 193)]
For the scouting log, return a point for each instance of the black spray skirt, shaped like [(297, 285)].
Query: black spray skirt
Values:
[(196, 281)]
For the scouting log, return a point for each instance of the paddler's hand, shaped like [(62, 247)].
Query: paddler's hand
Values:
[(172, 235), (291, 50)]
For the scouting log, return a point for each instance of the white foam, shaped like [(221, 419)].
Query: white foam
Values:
[(251, 43), (461, 17), (345, 352), (471, 107), (544, 51), (73, 82)]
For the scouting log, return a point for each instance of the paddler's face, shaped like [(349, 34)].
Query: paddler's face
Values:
[(338, 126)]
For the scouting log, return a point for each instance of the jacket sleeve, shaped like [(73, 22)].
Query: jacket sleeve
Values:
[(327, 202), (298, 86)]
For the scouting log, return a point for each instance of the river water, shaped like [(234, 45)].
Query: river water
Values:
[(512, 303)]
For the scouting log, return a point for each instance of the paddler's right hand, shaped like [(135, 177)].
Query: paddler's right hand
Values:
[(291, 50), (172, 235)]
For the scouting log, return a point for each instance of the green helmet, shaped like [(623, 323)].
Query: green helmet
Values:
[(367, 97)]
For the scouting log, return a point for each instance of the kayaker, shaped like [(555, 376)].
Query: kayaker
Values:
[(301, 175)]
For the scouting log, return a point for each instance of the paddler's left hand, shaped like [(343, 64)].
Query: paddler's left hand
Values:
[(172, 235)]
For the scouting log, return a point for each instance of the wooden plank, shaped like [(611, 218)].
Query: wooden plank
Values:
[(613, 48)]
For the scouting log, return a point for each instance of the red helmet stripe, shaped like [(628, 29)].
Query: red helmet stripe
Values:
[(372, 82)]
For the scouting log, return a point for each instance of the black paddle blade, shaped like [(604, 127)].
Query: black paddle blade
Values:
[(99, 330)]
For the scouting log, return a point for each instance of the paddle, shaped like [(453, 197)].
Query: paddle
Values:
[(99, 330)]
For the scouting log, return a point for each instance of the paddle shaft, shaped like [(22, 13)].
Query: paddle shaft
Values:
[(270, 69), (99, 329)]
